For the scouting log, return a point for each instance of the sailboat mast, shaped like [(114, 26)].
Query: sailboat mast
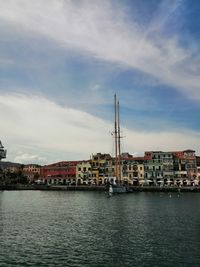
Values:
[(116, 137), (119, 141)]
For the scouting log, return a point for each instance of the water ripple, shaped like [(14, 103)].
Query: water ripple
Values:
[(87, 229)]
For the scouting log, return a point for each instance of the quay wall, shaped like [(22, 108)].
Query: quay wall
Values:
[(100, 188)]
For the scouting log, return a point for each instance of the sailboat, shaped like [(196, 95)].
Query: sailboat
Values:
[(115, 184)]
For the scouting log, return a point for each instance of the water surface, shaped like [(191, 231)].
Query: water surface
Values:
[(49, 228)]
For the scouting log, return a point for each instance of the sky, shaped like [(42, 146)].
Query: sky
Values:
[(62, 61)]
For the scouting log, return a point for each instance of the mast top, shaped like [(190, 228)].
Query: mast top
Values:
[(117, 141)]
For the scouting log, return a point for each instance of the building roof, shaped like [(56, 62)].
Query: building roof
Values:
[(63, 164), (189, 151), (134, 158)]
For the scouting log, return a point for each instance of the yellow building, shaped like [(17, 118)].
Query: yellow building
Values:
[(133, 170), (84, 173), (102, 168)]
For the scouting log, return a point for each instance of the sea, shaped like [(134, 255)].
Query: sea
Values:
[(75, 229)]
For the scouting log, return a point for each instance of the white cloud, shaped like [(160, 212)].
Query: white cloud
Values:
[(165, 141), (37, 130), (32, 123), (105, 32), (29, 158)]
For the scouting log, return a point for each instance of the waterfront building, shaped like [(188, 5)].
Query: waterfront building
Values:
[(63, 172), (185, 169), (126, 155), (84, 173), (130, 169), (179, 166), (191, 166), (153, 167), (102, 168), (141, 171), (133, 170), (198, 169), (170, 168), (31, 171)]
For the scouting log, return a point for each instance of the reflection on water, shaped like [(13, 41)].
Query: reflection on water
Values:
[(48, 228)]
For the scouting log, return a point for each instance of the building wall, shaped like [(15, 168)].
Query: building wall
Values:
[(153, 167), (84, 173), (31, 171), (170, 168), (33, 168), (141, 173), (102, 168), (63, 172), (191, 165), (132, 170)]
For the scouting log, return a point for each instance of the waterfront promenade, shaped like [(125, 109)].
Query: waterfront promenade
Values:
[(100, 188)]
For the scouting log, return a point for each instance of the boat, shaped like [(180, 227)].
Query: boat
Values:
[(115, 183)]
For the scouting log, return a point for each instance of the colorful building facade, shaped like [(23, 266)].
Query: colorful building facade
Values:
[(156, 168), (171, 168), (63, 172), (102, 168), (133, 170), (84, 173), (31, 171)]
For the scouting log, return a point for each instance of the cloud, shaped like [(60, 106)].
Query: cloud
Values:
[(34, 123), (35, 128), (103, 29), (29, 158), (173, 140), (38, 130)]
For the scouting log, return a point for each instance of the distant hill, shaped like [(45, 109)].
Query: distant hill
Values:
[(5, 164)]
